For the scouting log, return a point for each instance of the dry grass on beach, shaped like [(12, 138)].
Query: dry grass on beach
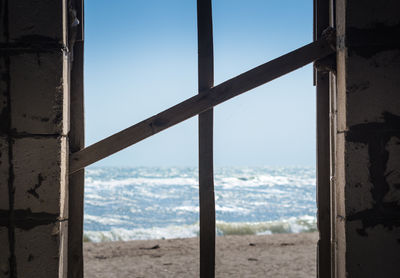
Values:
[(279, 255)]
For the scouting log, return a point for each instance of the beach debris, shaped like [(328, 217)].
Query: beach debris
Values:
[(101, 257), (252, 244), (252, 259), (150, 248), (286, 244)]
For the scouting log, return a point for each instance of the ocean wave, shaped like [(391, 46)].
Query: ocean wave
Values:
[(139, 181), (121, 234), (107, 219), (225, 177), (225, 182), (125, 203), (263, 181), (291, 225)]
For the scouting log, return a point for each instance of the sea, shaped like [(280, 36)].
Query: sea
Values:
[(160, 203)]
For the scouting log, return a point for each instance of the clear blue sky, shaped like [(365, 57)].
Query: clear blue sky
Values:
[(141, 58)]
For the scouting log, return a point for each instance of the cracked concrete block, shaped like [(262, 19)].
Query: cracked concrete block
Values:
[(4, 176), (367, 256), (367, 230), (376, 12), (380, 74), (32, 21), (38, 250), (4, 253), (3, 27), (358, 184), (39, 93), (392, 172), (4, 115), (40, 165)]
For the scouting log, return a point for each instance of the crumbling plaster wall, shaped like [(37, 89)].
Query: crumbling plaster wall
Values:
[(34, 105), (368, 139)]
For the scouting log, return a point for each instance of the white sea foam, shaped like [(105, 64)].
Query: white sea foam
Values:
[(184, 231), (144, 203), (139, 181), (108, 219), (291, 225), (188, 208)]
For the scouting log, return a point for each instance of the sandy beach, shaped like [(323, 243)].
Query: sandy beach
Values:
[(278, 255)]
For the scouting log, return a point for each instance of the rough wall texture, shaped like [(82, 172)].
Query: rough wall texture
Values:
[(368, 139), (34, 66)]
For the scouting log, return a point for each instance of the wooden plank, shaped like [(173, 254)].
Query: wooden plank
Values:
[(76, 180), (79, 4), (206, 168), (201, 102), (333, 128), (323, 150), (323, 176), (76, 9)]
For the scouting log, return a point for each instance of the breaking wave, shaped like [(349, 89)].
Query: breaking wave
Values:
[(153, 203), (301, 225)]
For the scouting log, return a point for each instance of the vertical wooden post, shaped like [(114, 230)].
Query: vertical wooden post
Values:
[(321, 22), (333, 128), (76, 143), (206, 173)]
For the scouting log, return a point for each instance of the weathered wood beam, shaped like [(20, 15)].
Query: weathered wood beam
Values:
[(76, 182), (206, 168), (322, 80), (201, 102)]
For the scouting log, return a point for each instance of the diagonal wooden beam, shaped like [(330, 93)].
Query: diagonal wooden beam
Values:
[(206, 158), (201, 102)]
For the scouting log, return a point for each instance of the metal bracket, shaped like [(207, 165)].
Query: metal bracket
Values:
[(328, 64)]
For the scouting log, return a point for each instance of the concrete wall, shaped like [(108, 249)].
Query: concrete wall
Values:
[(34, 105), (368, 139)]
